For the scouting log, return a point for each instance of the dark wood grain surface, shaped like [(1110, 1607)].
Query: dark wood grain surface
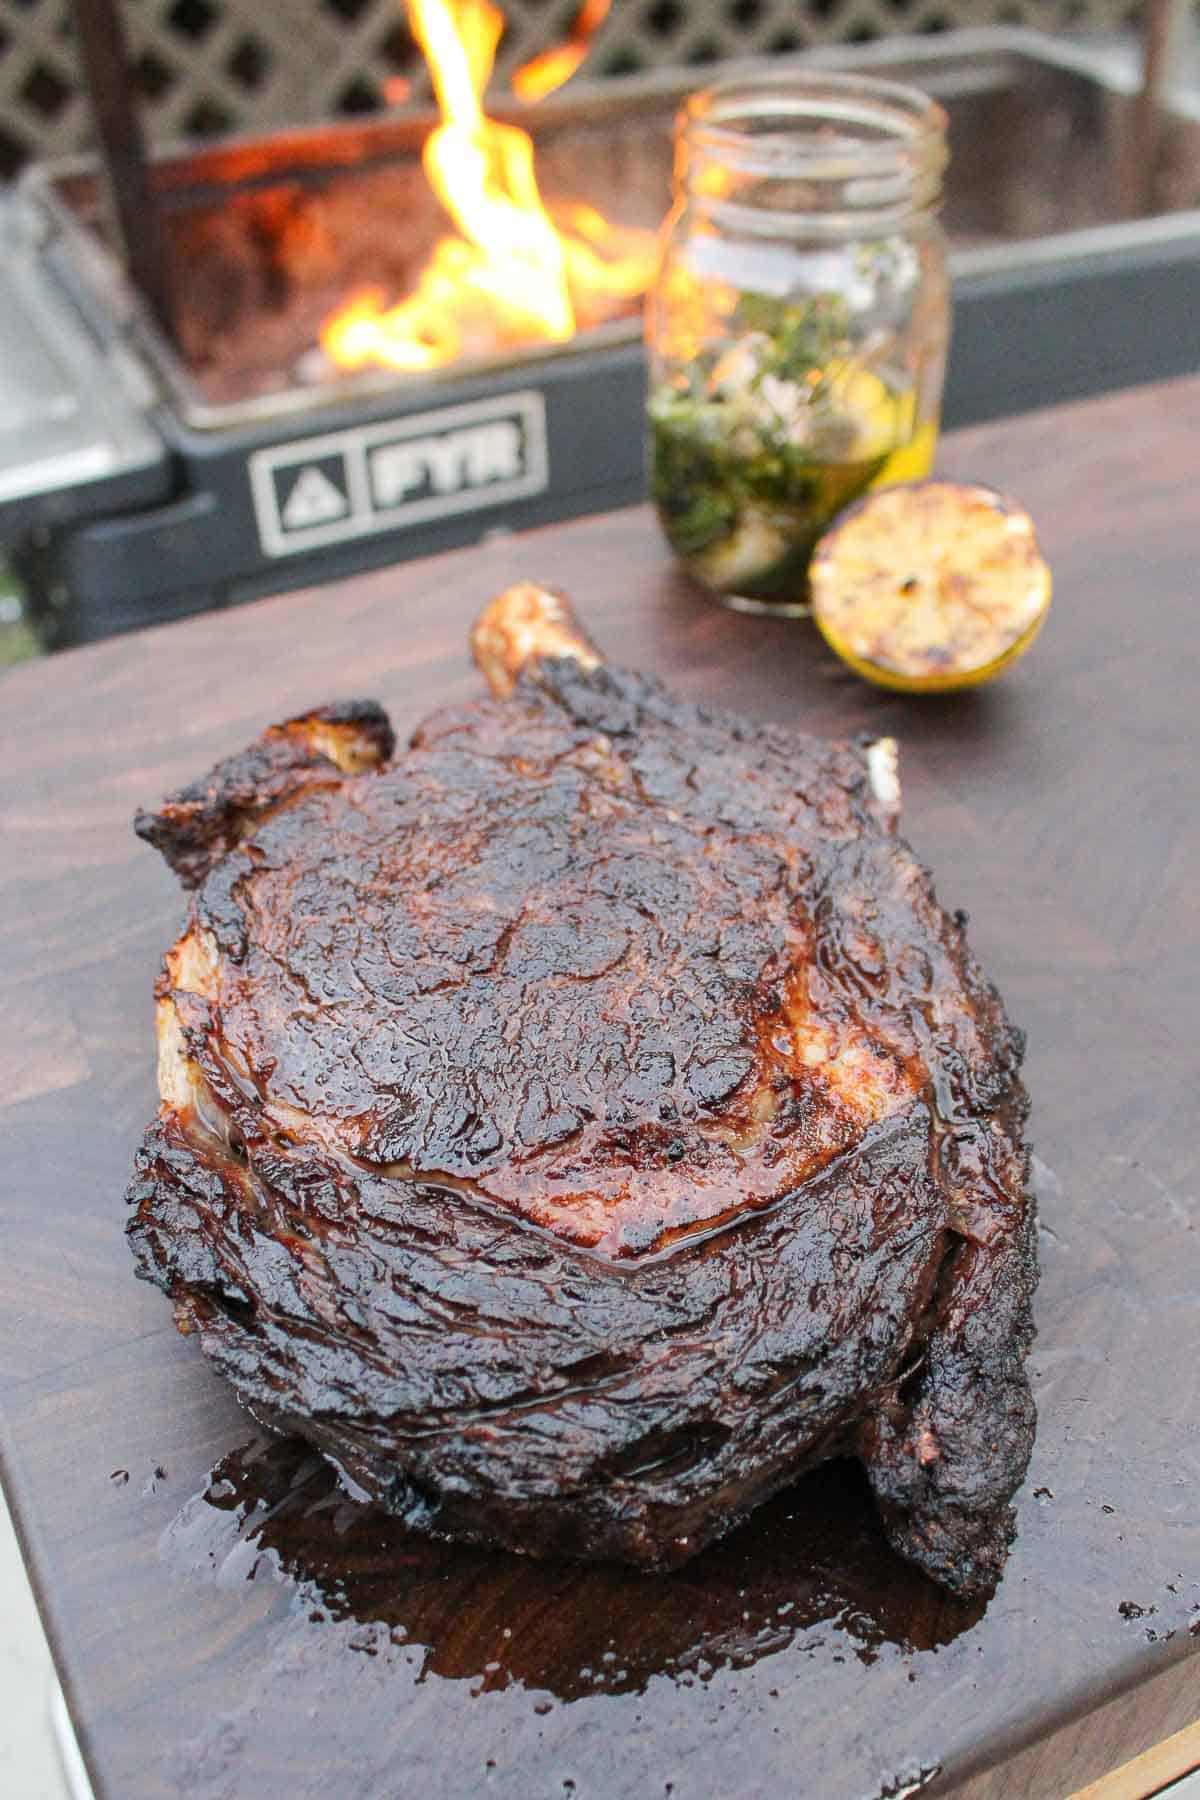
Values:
[(247, 1634)]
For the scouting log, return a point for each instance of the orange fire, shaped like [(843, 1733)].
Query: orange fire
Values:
[(542, 74), (515, 273)]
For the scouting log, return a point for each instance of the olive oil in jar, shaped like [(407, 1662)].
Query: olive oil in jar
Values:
[(772, 407)]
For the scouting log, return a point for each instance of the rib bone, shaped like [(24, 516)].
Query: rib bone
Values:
[(521, 626)]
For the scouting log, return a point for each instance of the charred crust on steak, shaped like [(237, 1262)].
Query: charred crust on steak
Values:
[(196, 826), (584, 1123)]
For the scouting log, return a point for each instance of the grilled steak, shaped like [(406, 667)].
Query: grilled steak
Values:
[(583, 1122)]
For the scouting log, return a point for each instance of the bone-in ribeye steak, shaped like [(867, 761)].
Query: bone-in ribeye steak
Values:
[(584, 1121)]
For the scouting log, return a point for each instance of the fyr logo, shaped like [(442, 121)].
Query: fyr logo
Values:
[(471, 457), (374, 478)]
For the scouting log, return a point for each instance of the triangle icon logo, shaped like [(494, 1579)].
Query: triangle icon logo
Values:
[(314, 500)]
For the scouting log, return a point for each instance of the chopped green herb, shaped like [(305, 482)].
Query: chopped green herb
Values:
[(755, 448)]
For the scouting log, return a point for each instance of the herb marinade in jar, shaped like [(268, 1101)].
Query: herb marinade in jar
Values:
[(799, 323)]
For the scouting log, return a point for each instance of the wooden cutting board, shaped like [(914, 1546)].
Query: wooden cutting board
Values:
[(247, 1633)]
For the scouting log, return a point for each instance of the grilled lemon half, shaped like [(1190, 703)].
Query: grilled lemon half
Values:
[(930, 586)]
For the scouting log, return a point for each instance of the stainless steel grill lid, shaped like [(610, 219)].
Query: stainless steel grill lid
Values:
[(74, 441)]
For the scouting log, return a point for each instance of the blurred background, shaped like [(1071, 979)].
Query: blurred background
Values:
[(211, 67), (190, 190)]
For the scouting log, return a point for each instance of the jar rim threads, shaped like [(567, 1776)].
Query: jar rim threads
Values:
[(854, 143)]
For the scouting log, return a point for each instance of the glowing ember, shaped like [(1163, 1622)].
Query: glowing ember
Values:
[(516, 273)]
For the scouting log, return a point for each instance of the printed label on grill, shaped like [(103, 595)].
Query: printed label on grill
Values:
[(375, 478)]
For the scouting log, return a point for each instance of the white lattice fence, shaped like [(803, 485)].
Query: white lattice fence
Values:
[(207, 67)]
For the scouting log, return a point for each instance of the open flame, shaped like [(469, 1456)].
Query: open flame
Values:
[(515, 272), (542, 74)]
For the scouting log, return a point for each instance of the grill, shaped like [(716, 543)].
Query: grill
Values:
[(144, 476)]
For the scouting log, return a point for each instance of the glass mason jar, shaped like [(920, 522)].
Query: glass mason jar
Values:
[(799, 323)]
